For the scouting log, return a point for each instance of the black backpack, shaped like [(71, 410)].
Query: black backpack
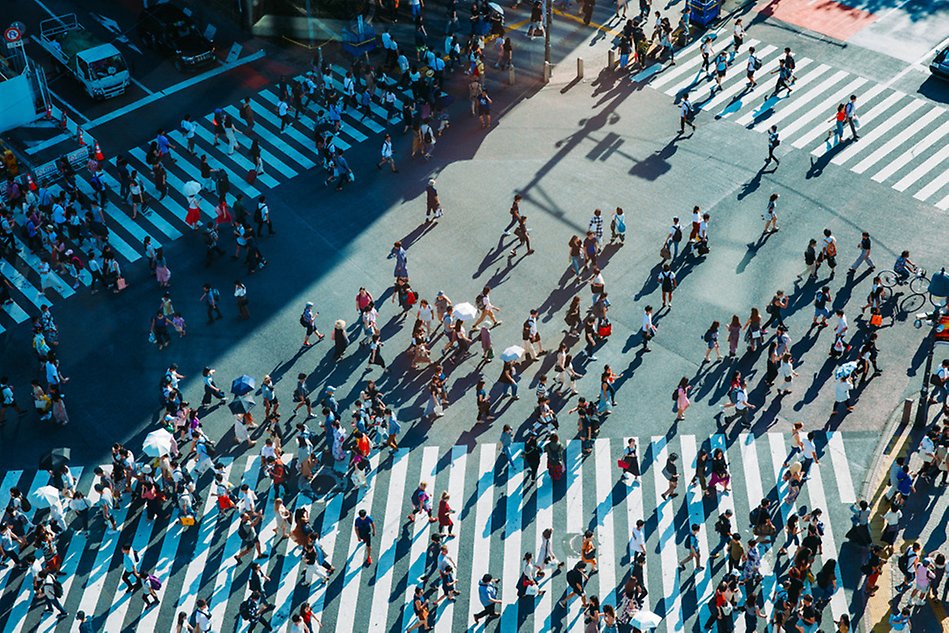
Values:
[(677, 235)]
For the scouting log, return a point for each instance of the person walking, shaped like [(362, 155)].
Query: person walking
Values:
[(576, 580), (774, 140), (648, 328), (211, 298), (850, 111), (531, 336), (692, 548), (711, 341), (671, 472), (667, 283), (686, 112), (387, 155), (770, 216), (865, 246), (681, 398), (523, 236), (365, 529)]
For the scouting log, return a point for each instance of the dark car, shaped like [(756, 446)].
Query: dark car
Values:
[(940, 64), (165, 27)]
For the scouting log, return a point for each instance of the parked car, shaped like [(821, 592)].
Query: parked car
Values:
[(167, 28), (939, 66)]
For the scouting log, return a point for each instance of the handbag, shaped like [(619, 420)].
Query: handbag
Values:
[(622, 463), (876, 319), (605, 330), (664, 252), (187, 521), (597, 289), (121, 284)]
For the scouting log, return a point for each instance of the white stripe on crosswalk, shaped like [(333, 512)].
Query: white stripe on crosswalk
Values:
[(95, 580), (281, 143), (121, 600), (838, 456), (635, 512), (388, 541), (21, 604), (193, 172), (16, 313), (511, 542), (119, 217), (750, 118), (77, 545), (683, 68), (352, 570), (205, 133), (543, 519), (704, 583), (655, 68), (227, 568), (671, 594), (832, 143), (928, 165), (762, 90), (198, 560), (155, 219), (822, 128), (575, 525), (736, 91), (940, 180), (171, 539), (913, 128), (22, 284), (332, 516), (815, 490), (238, 158), (778, 455), (943, 204), (802, 100), (456, 491), (268, 158), (480, 554), (820, 111), (604, 521), (878, 130), (33, 261), (915, 151), (420, 534)]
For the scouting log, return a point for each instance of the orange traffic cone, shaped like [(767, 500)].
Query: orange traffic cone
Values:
[(62, 122), (29, 181), (80, 137), (98, 153)]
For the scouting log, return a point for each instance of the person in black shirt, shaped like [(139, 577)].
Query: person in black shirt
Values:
[(576, 579)]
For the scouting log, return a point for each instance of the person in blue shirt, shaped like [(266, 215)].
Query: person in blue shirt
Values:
[(904, 266), (488, 595), (899, 620)]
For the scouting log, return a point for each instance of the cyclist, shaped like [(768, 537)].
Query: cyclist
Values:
[(904, 266)]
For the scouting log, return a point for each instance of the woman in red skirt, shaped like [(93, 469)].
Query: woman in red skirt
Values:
[(444, 516)]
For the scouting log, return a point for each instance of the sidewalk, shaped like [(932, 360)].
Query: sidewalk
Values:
[(923, 521)]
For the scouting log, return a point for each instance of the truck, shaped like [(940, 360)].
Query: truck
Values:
[(97, 65)]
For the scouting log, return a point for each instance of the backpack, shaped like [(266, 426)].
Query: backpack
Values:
[(677, 235), (733, 394), (216, 294), (303, 320), (832, 249), (259, 215), (57, 588), (903, 561), (675, 394), (756, 63), (153, 582), (25, 504), (428, 136), (526, 330), (246, 610), (416, 497)]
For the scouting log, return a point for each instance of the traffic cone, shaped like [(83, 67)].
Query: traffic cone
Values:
[(98, 152), (62, 122), (49, 113), (80, 137), (29, 181)]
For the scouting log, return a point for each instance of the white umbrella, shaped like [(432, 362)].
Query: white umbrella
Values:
[(494, 6), (157, 443), (464, 312), (191, 189), (514, 352), (45, 497), (643, 619)]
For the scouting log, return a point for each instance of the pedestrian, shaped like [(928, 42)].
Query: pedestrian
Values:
[(865, 246), (738, 38), (648, 328), (681, 398), (433, 206), (721, 67), (686, 112), (754, 63), (211, 390), (531, 336), (308, 321), (774, 140), (211, 298), (387, 155), (850, 110), (671, 472), (839, 118), (618, 226), (576, 579), (667, 283), (711, 341), (131, 566), (488, 596), (556, 452), (240, 298), (484, 109), (775, 308), (52, 591), (523, 236), (692, 547)]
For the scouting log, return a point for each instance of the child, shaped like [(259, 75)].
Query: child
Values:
[(178, 322), (151, 585), (618, 226)]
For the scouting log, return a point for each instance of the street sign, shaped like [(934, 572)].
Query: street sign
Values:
[(12, 35)]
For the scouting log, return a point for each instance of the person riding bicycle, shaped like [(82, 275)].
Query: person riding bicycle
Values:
[(904, 266)]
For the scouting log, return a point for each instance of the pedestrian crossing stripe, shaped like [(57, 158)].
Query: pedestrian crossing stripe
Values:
[(285, 156), (499, 517), (896, 129)]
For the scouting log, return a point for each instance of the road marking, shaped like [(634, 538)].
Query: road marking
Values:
[(604, 520), (752, 116), (332, 515), (911, 153), (804, 119), (382, 587), (878, 130), (420, 532), (456, 491), (671, 591), (936, 159), (815, 490), (511, 542), (823, 126), (481, 549), (913, 128), (937, 183), (20, 608), (682, 69), (543, 519), (704, 585), (739, 86), (835, 446), (141, 103)]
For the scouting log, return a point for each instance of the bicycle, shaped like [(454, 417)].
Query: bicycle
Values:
[(917, 280)]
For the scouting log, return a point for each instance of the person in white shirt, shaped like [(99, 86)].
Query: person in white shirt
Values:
[(637, 538), (247, 499), (386, 153), (648, 328), (283, 111), (189, 128), (753, 64), (545, 554), (486, 309), (202, 617)]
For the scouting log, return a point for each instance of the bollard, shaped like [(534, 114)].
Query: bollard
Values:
[(579, 68), (610, 59), (546, 72), (510, 75)]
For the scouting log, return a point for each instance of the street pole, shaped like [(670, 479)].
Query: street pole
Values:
[(922, 408), (550, 12)]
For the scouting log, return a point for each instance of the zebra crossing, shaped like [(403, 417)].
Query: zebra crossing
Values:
[(898, 131), (285, 156), (500, 514)]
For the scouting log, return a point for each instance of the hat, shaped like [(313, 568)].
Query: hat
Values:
[(330, 389), (146, 469), (309, 304), (441, 294), (429, 73)]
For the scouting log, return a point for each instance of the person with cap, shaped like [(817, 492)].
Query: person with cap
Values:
[(433, 205), (308, 321), (340, 338), (211, 390)]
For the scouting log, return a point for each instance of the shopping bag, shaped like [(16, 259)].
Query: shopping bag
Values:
[(622, 464), (876, 320), (250, 176), (121, 284), (187, 521), (605, 330)]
